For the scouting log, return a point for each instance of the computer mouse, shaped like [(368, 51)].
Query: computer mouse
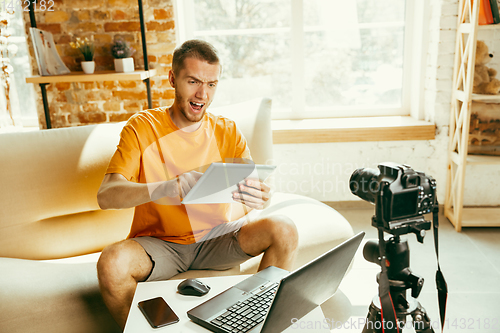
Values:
[(193, 287)]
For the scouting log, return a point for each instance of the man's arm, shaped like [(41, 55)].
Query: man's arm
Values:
[(116, 192)]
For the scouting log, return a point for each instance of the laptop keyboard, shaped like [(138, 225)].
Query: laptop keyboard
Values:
[(243, 316)]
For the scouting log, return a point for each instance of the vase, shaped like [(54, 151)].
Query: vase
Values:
[(124, 65), (88, 67)]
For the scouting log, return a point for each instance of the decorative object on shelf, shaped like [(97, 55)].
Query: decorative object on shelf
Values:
[(49, 61), (122, 53), (88, 67), (484, 77), (86, 47)]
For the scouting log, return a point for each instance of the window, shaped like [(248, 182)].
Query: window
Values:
[(22, 95), (314, 58)]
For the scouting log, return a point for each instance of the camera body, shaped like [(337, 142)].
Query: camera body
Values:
[(401, 195)]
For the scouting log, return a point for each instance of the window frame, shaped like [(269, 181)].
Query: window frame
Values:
[(415, 39)]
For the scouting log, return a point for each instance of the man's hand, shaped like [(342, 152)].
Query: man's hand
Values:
[(179, 186), (253, 193), (186, 181)]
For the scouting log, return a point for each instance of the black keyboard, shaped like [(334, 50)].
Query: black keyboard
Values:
[(243, 316)]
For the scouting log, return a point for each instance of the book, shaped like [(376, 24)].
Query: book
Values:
[(49, 61), (487, 10), (485, 15), (494, 11)]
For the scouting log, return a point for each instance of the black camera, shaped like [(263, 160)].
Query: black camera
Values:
[(401, 195)]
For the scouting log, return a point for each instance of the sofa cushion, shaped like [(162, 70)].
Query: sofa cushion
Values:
[(53, 172), (66, 235), (254, 121)]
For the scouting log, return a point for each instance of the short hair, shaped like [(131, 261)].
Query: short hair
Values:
[(197, 49)]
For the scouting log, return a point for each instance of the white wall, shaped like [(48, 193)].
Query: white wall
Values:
[(322, 171)]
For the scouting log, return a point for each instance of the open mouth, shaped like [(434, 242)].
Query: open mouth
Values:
[(196, 107)]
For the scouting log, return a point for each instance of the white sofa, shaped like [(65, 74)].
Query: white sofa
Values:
[(51, 228)]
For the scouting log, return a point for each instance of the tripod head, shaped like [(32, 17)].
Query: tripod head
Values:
[(417, 225), (398, 264)]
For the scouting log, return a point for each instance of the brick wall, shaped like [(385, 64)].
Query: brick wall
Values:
[(74, 104), (440, 58)]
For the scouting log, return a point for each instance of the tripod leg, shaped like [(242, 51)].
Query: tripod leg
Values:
[(373, 320), (421, 321)]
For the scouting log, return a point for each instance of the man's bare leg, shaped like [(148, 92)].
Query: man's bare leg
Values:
[(276, 236), (119, 268)]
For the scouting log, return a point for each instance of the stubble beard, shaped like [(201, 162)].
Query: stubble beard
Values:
[(190, 118)]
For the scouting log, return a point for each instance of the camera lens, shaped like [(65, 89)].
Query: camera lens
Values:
[(364, 183)]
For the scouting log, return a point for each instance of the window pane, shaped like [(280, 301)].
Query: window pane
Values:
[(240, 14), (337, 12), (369, 75), (380, 10), (253, 38), (22, 94), (253, 66), (353, 53)]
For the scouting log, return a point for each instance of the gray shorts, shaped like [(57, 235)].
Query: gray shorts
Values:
[(218, 250)]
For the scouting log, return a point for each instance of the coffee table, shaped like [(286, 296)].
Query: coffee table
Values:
[(136, 321)]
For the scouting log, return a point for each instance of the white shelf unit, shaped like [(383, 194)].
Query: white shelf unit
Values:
[(458, 157)]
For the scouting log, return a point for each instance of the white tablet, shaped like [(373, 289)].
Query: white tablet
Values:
[(220, 180)]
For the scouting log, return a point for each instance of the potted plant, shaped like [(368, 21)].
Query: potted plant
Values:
[(122, 53), (87, 48)]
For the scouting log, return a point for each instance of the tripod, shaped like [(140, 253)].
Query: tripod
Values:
[(401, 279)]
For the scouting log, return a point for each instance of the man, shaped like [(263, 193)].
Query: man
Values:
[(157, 162)]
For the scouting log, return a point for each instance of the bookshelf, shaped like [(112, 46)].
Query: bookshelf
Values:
[(97, 76), (143, 75), (458, 149)]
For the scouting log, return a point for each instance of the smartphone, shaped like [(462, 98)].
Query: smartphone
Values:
[(157, 312)]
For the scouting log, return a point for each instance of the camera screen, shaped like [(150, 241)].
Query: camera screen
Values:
[(404, 204)]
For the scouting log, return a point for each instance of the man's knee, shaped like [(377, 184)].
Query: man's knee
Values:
[(283, 231), (123, 260)]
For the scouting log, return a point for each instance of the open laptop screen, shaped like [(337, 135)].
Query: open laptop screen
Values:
[(309, 286)]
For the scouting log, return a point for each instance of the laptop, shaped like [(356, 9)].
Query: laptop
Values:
[(268, 301), (218, 183)]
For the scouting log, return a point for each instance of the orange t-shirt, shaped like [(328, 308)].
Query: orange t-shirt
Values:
[(153, 149)]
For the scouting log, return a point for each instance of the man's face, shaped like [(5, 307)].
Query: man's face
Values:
[(195, 87)]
